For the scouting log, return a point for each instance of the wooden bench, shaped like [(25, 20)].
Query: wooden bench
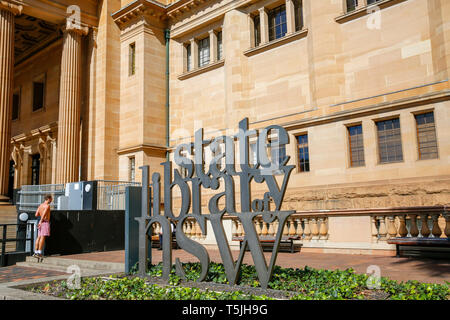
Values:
[(421, 242), (156, 244), (269, 241)]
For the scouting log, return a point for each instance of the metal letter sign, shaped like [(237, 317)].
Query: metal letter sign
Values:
[(271, 140)]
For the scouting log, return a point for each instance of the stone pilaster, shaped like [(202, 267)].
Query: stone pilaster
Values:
[(8, 9), (194, 54), (68, 158), (264, 25), (212, 46), (290, 16)]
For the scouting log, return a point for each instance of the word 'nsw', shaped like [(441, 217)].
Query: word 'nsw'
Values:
[(268, 159)]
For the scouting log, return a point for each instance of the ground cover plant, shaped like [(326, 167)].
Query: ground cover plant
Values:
[(286, 283)]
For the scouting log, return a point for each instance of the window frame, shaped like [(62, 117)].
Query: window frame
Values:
[(349, 141), (219, 52), (39, 79), (272, 16), (299, 166), (204, 52), (132, 59), (298, 15), (18, 93), (189, 64), (379, 147), (132, 169), (419, 155)]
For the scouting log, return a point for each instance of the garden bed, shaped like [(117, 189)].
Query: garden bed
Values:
[(287, 283)]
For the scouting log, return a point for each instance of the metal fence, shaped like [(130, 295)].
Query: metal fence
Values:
[(111, 194), (30, 197), (28, 240)]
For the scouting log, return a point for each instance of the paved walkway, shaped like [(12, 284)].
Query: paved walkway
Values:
[(400, 269), (16, 274)]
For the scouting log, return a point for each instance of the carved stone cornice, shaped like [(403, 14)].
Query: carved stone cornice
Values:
[(137, 9), (12, 6), (180, 7)]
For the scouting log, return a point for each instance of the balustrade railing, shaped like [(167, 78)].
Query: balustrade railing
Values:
[(314, 227), (301, 227), (434, 225)]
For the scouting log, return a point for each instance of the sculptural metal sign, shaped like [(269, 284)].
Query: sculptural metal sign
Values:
[(271, 140)]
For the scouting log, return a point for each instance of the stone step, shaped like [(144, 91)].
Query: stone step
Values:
[(63, 264), (44, 266)]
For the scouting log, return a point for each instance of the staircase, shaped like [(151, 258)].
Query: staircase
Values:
[(67, 265)]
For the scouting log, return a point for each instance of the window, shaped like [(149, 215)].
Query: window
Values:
[(426, 136), (16, 106), (38, 94), (35, 168), (188, 57), (203, 52), (303, 153), (257, 30), (132, 59), (277, 22), (352, 5), (355, 139), (389, 141), (372, 1), (298, 14), (132, 169), (219, 46)]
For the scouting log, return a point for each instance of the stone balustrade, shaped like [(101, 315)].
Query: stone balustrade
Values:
[(305, 228), (334, 232), (434, 225)]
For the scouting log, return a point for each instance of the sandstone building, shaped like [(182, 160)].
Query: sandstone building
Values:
[(94, 89)]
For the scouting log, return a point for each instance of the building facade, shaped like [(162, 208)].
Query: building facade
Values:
[(92, 90)]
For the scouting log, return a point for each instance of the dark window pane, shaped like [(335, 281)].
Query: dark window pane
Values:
[(298, 14), (219, 46), (188, 57), (351, 5), (132, 59), (16, 106), (277, 22), (38, 95), (35, 168), (257, 30)]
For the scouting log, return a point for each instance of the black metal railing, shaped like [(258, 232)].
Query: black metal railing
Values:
[(23, 239)]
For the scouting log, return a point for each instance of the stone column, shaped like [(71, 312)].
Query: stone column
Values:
[(290, 16), (67, 166), (8, 9), (264, 25), (194, 54), (212, 46)]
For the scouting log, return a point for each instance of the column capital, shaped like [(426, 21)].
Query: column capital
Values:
[(78, 27), (13, 6)]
